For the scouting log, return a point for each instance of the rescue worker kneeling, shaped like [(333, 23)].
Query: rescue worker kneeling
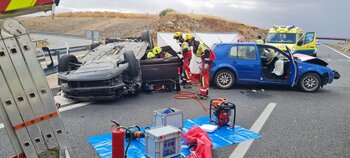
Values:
[(187, 56), (158, 53), (201, 50)]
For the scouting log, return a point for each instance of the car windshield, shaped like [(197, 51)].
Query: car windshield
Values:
[(287, 38)]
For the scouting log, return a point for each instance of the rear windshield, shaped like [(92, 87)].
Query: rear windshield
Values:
[(287, 38)]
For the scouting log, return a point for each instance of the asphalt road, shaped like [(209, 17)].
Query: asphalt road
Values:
[(301, 125)]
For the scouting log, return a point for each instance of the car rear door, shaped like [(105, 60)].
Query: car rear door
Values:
[(306, 44), (246, 62)]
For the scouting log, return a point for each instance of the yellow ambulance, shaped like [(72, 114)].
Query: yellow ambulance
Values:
[(294, 38)]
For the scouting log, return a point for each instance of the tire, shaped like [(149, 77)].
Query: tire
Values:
[(310, 82), (65, 63), (133, 69), (224, 79), (146, 36)]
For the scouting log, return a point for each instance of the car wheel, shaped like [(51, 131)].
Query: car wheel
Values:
[(146, 36), (133, 69), (224, 79), (310, 82), (67, 63)]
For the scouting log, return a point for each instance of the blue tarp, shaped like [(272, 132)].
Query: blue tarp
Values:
[(224, 136)]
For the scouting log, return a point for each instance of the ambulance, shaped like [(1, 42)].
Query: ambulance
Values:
[(294, 38)]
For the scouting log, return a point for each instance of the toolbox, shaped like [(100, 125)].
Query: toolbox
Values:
[(169, 116), (163, 142)]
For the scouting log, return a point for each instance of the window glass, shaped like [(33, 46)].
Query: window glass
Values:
[(287, 38), (233, 52), (246, 52), (309, 38), (271, 52)]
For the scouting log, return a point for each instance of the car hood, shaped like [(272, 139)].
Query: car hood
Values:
[(310, 59)]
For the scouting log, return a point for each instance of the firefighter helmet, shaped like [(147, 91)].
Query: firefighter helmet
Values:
[(156, 50), (189, 36), (177, 35)]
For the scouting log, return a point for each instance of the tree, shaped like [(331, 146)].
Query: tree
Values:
[(165, 12)]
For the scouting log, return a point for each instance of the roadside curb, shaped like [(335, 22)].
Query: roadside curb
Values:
[(336, 51)]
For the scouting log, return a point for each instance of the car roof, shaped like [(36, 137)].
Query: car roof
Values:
[(238, 43)]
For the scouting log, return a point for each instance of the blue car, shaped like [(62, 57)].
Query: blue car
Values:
[(251, 63)]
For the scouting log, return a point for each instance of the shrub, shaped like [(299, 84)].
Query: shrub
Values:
[(165, 12)]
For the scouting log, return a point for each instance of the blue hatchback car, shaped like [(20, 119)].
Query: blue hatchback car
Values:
[(252, 63)]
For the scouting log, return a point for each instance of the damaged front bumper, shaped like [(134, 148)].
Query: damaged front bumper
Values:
[(336, 74)]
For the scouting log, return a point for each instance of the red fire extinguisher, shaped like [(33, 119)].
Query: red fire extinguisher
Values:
[(118, 141)]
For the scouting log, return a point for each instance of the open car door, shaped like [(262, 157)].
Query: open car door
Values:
[(307, 44), (293, 68)]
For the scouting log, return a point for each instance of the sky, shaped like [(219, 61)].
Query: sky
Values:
[(326, 17)]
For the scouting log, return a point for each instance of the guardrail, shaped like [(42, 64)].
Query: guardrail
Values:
[(58, 52), (60, 34)]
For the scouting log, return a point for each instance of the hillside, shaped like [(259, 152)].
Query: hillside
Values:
[(112, 24)]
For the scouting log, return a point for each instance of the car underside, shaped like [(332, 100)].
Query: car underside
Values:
[(113, 70)]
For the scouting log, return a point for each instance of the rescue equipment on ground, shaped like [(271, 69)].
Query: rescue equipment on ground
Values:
[(201, 141), (169, 116), (222, 110), (163, 142), (119, 134)]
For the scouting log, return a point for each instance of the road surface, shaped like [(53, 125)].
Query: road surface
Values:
[(299, 125)]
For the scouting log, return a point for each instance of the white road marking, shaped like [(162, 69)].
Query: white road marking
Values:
[(78, 105), (243, 147), (337, 51), (71, 107)]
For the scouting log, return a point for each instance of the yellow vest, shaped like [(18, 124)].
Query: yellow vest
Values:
[(259, 41), (201, 49)]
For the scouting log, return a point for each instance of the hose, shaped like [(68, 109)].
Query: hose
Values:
[(185, 95)]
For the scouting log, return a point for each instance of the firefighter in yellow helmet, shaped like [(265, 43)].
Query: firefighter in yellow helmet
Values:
[(259, 40), (187, 56), (207, 55), (158, 53)]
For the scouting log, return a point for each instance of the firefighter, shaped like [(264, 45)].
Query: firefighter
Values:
[(259, 40), (159, 53), (201, 50), (187, 56), (150, 55)]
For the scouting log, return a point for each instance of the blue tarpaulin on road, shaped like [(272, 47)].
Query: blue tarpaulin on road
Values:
[(224, 136)]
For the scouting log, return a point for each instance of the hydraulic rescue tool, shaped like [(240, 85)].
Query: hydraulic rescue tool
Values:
[(222, 110)]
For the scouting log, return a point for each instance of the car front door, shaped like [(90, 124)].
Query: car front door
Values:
[(245, 60), (307, 44)]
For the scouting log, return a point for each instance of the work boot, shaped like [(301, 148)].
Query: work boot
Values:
[(202, 97), (187, 86)]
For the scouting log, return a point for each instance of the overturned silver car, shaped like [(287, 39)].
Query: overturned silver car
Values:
[(113, 70)]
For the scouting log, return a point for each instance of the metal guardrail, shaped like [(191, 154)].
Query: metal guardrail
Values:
[(59, 34), (61, 51)]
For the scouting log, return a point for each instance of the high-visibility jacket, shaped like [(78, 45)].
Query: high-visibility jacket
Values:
[(259, 41), (201, 50), (185, 47), (13, 5)]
